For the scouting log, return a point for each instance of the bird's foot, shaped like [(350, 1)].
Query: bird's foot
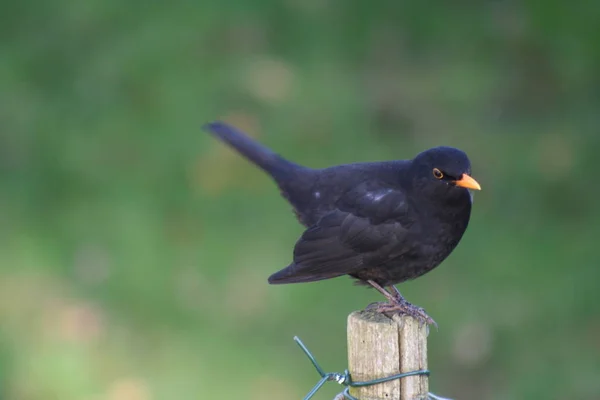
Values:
[(402, 306), (397, 304)]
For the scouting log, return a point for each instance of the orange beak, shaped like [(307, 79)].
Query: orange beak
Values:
[(467, 182)]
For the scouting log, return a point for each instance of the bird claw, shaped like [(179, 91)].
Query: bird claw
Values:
[(406, 308)]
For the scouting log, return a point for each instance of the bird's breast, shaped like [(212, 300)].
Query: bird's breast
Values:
[(432, 240)]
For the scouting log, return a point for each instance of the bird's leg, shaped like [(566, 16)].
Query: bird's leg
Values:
[(397, 303), (381, 290), (397, 293)]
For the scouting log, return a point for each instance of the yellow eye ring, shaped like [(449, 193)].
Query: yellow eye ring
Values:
[(437, 173)]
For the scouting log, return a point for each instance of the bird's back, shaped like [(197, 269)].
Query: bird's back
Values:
[(316, 192)]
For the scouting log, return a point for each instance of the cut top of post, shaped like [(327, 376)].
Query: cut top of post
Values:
[(378, 347)]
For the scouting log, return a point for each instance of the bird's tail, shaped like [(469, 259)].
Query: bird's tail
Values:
[(271, 162)]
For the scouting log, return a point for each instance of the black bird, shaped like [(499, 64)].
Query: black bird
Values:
[(382, 223)]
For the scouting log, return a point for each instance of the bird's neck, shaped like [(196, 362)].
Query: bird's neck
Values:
[(444, 200)]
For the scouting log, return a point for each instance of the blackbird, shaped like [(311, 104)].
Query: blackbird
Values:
[(381, 223)]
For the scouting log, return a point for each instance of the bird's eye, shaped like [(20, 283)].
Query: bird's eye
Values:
[(437, 173)]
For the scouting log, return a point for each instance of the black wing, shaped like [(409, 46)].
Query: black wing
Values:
[(370, 223)]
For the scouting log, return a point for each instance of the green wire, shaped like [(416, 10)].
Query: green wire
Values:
[(346, 380)]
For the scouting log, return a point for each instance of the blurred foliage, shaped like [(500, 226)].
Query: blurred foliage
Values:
[(135, 248)]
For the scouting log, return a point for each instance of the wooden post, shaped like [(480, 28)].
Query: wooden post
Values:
[(378, 347)]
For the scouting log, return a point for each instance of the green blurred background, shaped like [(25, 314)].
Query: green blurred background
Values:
[(135, 248)]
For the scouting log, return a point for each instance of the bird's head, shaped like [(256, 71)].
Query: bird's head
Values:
[(443, 167)]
